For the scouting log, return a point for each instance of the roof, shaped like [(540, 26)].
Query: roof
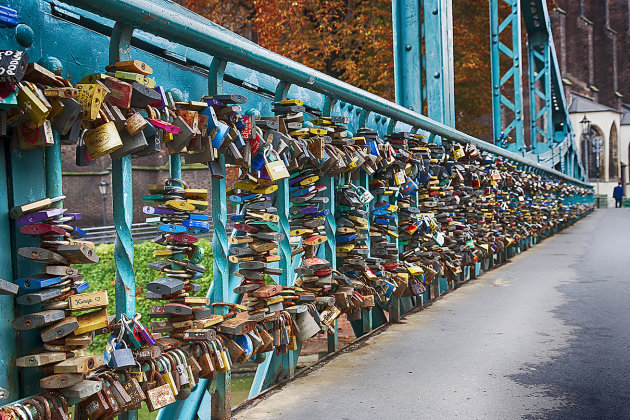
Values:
[(625, 116), (581, 103)]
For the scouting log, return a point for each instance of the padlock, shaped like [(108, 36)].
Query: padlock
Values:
[(134, 390), (102, 140), (13, 65), (130, 144), (91, 98), (276, 169), (68, 116), (121, 357), (83, 158), (143, 95), (181, 139), (153, 138), (31, 137), (32, 104), (307, 326), (166, 373), (160, 395), (120, 92)]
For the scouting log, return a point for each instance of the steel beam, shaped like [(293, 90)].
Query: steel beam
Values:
[(438, 43), (192, 30), (510, 80), (407, 54)]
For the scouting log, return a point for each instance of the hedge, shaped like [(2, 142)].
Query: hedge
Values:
[(101, 277)]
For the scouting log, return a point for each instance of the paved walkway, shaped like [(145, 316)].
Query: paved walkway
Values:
[(546, 336)]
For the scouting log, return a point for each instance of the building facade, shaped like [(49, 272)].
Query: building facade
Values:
[(592, 39)]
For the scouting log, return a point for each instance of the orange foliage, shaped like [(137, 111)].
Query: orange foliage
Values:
[(352, 41), (348, 39)]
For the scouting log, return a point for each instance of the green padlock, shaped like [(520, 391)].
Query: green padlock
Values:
[(197, 255)]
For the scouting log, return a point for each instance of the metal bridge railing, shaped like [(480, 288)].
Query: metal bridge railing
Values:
[(178, 24)]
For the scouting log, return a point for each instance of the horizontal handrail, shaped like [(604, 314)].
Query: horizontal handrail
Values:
[(178, 24)]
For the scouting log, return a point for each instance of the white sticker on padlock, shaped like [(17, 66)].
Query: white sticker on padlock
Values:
[(364, 195), (439, 238)]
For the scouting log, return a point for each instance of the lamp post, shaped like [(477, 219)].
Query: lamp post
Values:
[(102, 187), (586, 133)]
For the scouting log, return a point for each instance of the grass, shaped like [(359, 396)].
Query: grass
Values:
[(240, 391)]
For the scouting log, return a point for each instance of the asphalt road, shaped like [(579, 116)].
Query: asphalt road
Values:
[(546, 336)]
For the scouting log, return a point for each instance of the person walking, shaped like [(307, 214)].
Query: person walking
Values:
[(618, 195)]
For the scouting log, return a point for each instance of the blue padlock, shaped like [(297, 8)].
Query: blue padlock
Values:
[(258, 161), (219, 137), (8, 17), (172, 228), (37, 282), (81, 286), (196, 227)]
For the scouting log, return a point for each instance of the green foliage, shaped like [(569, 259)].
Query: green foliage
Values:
[(101, 277)]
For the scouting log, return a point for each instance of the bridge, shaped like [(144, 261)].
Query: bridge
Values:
[(194, 57), (519, 342)]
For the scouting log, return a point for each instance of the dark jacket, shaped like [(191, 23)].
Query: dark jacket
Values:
[(618, 193)]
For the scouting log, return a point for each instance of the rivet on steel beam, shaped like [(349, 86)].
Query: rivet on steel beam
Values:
[(52, 64), (436, 74), (24, 35), (178, 96), (408, 47), (435, 11)]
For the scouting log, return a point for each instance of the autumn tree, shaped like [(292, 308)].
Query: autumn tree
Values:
[(352, 41)]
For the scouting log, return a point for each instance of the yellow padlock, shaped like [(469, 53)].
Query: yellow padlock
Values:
[(31, 103), (102, 140), (91, 97), (180, 205), (199, 204), (168, 378)]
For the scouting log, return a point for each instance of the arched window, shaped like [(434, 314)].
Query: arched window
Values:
[(593, 153), (613, 154)]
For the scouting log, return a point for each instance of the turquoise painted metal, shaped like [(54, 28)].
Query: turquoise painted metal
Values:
[(552, 140), (9, 380), (510, 123), (196, 32), (408, 57), (438, 41), (185, 50), (122, 194), (26, 186)]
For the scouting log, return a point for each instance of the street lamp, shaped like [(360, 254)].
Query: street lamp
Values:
[(102, 187), (586, 125), (586, 133)]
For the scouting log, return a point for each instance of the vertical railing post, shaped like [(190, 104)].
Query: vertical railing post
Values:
[(284, 247), (8, 353), (330, 246), (221, 396), (25, 186), (366, 314), (513, 53), (394, 302), (122, 186)]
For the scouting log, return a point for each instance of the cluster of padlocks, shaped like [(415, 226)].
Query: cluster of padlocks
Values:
[(403, 213)]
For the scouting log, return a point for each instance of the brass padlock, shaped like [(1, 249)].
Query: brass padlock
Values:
[(102, 140), (32, 104)]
